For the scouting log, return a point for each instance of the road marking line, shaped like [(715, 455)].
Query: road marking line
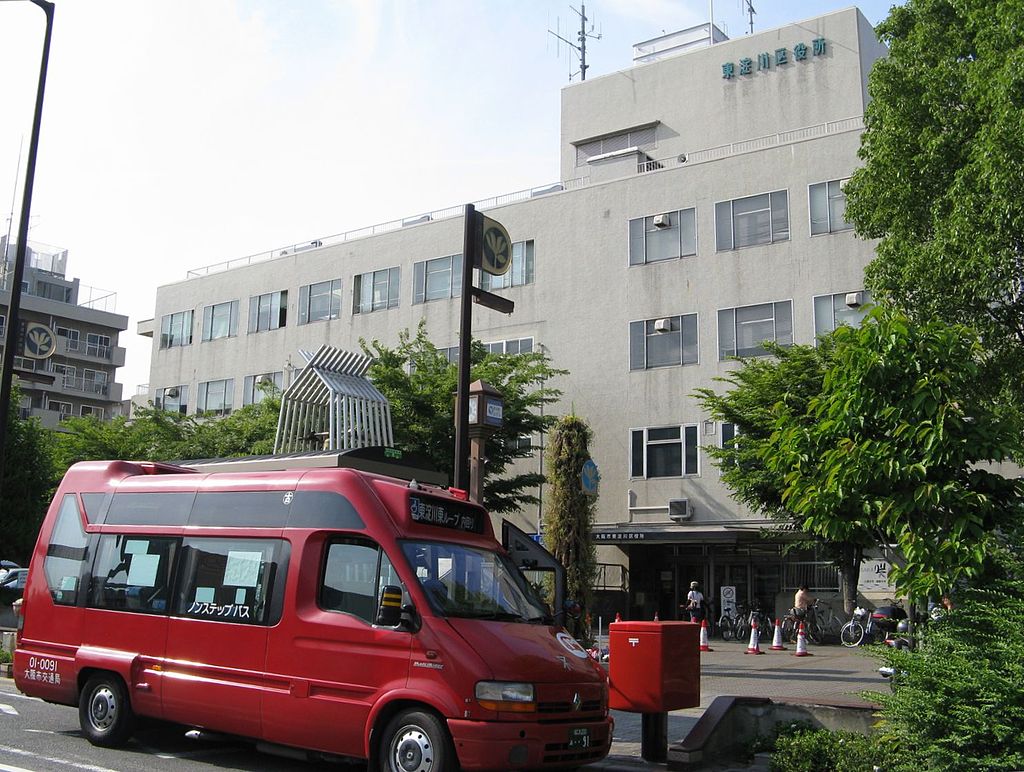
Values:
[(8, 709), (52, 760), (8, 768)]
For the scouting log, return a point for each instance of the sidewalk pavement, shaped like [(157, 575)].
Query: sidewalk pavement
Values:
[(834, 674)]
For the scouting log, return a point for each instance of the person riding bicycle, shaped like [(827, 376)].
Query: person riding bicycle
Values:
[(802, 602)]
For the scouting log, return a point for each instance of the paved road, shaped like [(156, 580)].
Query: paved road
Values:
[(37, 737)]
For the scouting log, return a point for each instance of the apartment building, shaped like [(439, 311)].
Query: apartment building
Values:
[(700, 211), (77, 376)]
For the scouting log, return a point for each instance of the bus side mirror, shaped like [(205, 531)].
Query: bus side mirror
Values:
[(389, 612)]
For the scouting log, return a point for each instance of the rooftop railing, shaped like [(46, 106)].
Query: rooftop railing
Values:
[(376, 230)]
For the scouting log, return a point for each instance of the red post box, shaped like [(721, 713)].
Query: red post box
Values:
[(653, 667)]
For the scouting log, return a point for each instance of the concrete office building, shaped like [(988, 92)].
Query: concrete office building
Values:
[(699, 212), (78, 377)]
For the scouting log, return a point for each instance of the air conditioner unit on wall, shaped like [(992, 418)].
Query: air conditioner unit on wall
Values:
[(854, 299), (679, 510), (662, 221), (663, 325)]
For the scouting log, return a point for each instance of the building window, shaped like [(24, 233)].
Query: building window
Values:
[(220, 320), (254, 385), (376, 290), (94, 381), (741, 331), (97, 345), (66, 372), (830, 311), (662, 237), (518, 274), (666, 451), (268, 312), (215, 397), (87, 410), (176, 329), (319, 301), (63, 409), (437, 279), (3, 325), (744, 222), (72, 337), (639, 138), (729, 432), (173, 399), (664, 342), (828, 207), (514, 346)]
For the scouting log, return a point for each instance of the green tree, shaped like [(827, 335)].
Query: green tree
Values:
[(761, 391), (161, 435), (942, 183), (569, 514), (28, 482), (894, 443), (420, 384)]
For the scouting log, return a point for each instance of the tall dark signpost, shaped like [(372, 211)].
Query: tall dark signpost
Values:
[(487, 246), (14, 282)]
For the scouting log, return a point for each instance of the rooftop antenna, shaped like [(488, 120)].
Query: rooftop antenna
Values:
[(581, 48), (751, 13)]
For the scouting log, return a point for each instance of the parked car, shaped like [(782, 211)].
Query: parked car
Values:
[(12, 586), (5, 566)]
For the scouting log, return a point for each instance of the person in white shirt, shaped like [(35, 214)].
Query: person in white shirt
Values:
[(695, 603)]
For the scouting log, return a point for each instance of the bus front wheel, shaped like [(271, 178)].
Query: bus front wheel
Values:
[(104, 711), (416, 741)]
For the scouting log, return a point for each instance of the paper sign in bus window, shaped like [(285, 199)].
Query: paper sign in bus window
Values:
[(136, 547), (240, 596), (69, 583), (204, 595), (142, 572), (243, 568)]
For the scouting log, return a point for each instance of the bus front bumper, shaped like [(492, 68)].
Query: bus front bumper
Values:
[(510, 745)]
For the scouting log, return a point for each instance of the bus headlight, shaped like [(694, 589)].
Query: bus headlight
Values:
[(505, 696)]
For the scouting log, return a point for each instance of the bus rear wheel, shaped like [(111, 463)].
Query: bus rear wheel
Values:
[(416, 741), (104, 711)]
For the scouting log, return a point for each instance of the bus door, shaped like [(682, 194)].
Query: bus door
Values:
[(331, 659), (229, 594)]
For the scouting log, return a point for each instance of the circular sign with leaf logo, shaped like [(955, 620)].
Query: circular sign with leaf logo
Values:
[(40, 342), (496, 257)]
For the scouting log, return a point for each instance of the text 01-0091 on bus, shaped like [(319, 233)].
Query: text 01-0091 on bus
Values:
[(335, 610)]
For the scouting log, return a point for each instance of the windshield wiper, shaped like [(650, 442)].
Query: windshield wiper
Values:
[(504, 616)]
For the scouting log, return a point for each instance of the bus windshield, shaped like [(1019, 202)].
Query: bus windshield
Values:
[(467, 582)]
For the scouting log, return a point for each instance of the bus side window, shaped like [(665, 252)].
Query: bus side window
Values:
[(132, 573), (66, 553), (229, 580), (355, 571)]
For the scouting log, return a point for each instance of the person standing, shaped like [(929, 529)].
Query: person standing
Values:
[(695, 603)]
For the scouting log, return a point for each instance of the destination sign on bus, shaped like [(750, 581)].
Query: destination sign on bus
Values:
[(445, 514)]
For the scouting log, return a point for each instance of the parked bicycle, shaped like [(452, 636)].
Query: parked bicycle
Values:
[(727, 624)]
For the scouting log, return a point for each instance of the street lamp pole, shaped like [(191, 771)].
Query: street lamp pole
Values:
[(14, 284)]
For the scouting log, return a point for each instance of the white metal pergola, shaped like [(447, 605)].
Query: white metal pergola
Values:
[(332, 406)]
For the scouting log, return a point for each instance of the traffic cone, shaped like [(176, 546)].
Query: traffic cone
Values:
[(704, 636), (801, 643), (777, 638), (754, 646)]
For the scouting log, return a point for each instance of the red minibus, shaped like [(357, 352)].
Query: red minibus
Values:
[(340, 611)]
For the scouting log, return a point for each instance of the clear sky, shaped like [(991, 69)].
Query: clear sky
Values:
[(180, 133)]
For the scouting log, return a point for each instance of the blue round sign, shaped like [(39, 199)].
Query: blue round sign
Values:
[(589, 477)]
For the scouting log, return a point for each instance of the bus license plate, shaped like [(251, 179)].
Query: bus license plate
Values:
[(579, 738)]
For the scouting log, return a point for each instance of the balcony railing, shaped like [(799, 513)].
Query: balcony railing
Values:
[(88, 385)]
